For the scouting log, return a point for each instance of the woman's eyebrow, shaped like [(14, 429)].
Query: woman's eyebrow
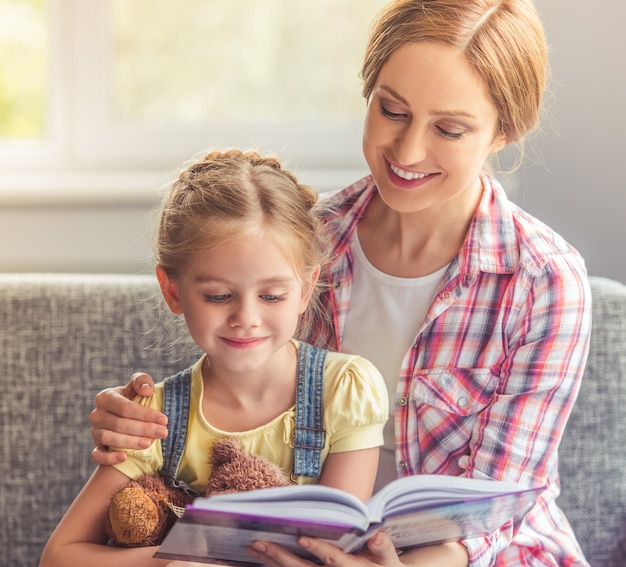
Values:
[(393, 93)]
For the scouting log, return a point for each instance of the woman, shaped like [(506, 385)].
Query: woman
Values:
[(476, 313)]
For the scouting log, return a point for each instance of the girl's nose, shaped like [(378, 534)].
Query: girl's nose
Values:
[(245, 313)]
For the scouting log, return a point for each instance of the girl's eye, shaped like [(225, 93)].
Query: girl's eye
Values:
[(216, 298), (271, 298), (450, 135)]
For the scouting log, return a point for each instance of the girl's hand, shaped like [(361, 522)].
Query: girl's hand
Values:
[(380, 551)]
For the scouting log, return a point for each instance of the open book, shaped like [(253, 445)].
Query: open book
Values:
[(413, 510)]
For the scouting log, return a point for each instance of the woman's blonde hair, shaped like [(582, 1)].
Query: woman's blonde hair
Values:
[(228, 195), (503, 40)]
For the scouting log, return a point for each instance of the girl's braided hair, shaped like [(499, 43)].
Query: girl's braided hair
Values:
[(231, 194)]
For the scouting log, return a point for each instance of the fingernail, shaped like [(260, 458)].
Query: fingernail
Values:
[(304, 542), (161, 420), (259, 546), (143, 385), (161, 432), (144, 443)]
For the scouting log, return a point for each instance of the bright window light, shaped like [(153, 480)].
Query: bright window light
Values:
[(24, 69)]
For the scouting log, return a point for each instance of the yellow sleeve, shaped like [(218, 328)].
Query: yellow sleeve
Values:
[(144, 461), (355, 403)]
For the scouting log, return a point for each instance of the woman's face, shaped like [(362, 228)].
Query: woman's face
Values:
[(429, 129)]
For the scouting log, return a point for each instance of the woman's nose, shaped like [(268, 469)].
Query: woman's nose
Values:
[(411, 145)]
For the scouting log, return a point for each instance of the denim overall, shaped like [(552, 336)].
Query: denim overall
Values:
[(309, 436)]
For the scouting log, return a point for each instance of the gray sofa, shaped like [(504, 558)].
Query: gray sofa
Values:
[(65, 337)]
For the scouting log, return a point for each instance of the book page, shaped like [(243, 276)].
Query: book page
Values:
[(313, 502), (410, 493), (456, 521)]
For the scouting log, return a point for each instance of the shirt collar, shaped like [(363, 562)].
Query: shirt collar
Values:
[(491, 242), (490, 245)]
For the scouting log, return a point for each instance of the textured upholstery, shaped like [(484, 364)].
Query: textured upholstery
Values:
[(65, 337), (592, 456)]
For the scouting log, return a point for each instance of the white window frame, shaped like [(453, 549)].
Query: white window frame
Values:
[(85, 140)]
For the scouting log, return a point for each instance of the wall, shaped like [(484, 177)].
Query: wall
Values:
[(96, 222), (573, 178), (580, 187)]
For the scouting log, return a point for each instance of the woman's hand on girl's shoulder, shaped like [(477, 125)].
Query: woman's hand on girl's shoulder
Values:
[(117, 421)]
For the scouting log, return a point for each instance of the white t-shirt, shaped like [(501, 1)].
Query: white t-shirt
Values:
[(384, 316)]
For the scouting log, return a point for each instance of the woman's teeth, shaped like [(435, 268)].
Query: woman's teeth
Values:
[(410, 175)]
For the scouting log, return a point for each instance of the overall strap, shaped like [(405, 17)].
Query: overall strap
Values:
[(176, 403), (309, 435)]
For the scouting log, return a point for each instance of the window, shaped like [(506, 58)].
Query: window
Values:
[(128, 85), (24, 54)]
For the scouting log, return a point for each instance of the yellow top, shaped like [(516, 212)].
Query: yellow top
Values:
[(355, 411)]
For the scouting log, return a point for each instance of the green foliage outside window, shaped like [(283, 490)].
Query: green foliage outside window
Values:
[(24, 68)]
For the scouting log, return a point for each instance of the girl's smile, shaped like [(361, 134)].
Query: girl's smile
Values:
[(241, 301), (243, 343)]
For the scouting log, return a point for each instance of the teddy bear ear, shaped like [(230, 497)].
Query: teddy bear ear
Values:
[(225, 451)]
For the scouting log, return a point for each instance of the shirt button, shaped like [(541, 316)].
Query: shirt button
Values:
[(462, 401), (337, 284), (403, 465), (445, 294), (403, 401)]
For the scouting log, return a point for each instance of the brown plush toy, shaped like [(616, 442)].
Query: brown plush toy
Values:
[(141, 513)]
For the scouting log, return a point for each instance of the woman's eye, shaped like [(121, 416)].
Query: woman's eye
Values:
[(450, 135), (216, 298), (389, 113)]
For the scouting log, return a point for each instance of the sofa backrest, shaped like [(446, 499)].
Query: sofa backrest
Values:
[(65, 337), (592, 455)]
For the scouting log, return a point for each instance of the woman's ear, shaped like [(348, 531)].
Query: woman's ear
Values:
[(169, 289), (498, 143), (308, 287)]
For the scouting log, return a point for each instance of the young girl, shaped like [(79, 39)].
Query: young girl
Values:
[(238, 255)]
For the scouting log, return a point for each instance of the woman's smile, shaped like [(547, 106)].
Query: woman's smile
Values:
[(407, 179)]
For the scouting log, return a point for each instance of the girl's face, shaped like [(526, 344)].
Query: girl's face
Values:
[(429, 129), (241, 302)]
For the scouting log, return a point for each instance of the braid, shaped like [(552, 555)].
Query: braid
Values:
[(232, 193), (254, 159)]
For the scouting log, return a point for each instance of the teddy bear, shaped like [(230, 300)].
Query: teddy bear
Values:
[(142, 512)]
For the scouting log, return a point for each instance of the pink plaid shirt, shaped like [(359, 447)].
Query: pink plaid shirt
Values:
[(488, 385)]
